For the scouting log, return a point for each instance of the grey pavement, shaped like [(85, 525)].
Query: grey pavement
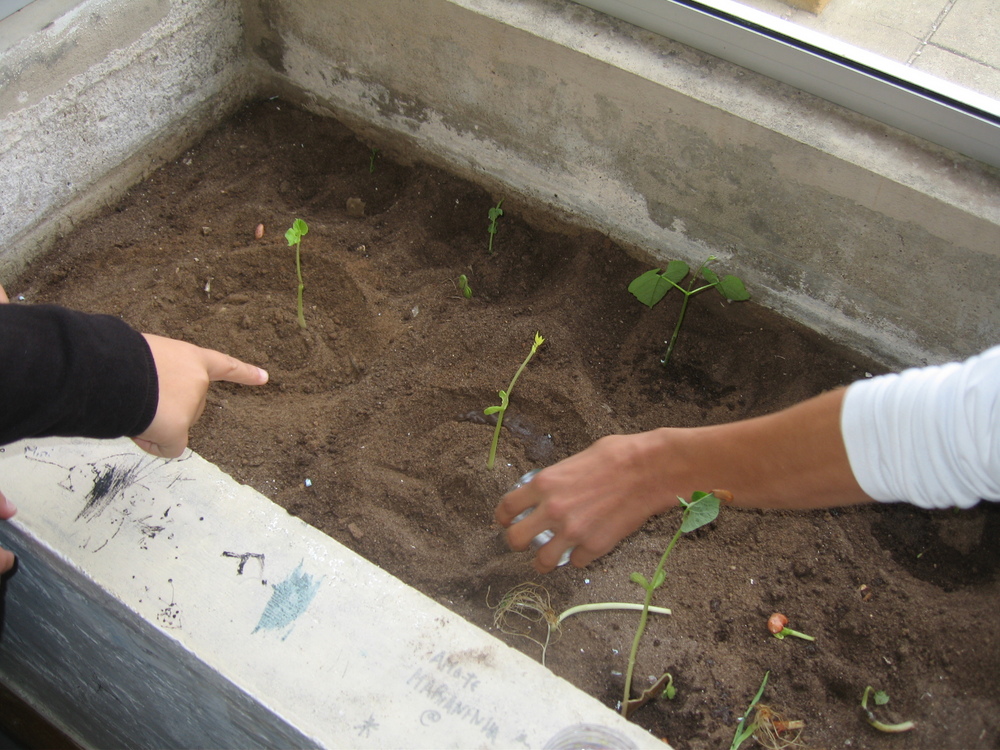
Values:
[(957, 40)]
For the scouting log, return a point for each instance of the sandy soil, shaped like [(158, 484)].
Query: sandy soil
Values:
[(372, 401)]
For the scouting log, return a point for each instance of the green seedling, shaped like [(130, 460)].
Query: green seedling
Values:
[(294, 236), (703, 509), (652, 286), (746, 728), (776, 624), (531, 602), (669, 691), (494, 213), (463, 286), (505, 400), (880, 698), (375, 154)]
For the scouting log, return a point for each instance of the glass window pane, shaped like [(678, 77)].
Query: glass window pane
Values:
[(956, 40)]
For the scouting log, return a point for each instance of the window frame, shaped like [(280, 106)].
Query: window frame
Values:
[(898, 95)]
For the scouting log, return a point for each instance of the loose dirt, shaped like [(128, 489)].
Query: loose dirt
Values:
[(372, 402)]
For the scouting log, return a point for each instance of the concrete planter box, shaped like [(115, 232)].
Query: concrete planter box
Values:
[(160, 604)]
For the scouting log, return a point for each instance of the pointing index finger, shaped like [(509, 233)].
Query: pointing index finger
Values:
[(225, 367)]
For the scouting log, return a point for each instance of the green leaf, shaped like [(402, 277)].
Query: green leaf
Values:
[(676, 271), (640, 579), (492, 410), (650, 287), (295, 232), (659, 578), (700, 512), (881, 697), (732, 289), (710, 276), (669, 691)]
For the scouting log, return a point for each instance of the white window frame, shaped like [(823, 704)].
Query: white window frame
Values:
[(903, 97)]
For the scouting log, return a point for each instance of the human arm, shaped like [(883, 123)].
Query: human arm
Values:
[(184, 372), (69, 373), (929, 436), (794, 458)]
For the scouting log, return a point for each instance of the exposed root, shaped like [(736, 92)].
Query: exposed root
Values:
[(774, 731), (531, 603)]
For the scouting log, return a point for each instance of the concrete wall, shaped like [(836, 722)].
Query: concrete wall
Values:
[(95, 95), (874, 237)]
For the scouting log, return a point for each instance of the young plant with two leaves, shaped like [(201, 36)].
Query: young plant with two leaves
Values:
[(652, 286)]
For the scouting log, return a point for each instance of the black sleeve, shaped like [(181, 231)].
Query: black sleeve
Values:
[(68, 373)]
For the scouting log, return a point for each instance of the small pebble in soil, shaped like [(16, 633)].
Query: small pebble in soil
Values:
[(355, 207)]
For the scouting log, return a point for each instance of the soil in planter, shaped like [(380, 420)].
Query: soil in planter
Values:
[(377, 404)]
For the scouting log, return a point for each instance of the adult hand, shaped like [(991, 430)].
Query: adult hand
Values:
[(592, 500), (7, 510), (185, 372), (794, 458)]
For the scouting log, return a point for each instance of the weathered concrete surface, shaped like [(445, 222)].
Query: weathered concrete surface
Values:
[(100, 96), (844, 224), (160, 604)]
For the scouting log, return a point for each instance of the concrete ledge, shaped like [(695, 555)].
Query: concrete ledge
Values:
[(94, 101), (161, 604)]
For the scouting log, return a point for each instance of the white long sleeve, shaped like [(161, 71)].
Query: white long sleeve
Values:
[(929, 436)]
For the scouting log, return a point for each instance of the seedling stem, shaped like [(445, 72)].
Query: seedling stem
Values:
[(505, 399), (531, 601), (494, 213), (881, 698), (294, 236), (746, 728), (703, 509)]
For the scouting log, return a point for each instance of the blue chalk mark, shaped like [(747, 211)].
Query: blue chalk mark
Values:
[(289, 600)]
